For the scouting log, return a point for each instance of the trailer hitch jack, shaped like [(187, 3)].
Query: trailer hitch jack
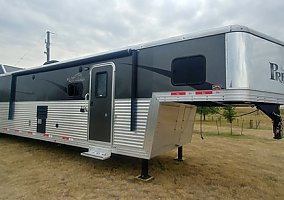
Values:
[(277, 127), (273, 112), (144, 171)]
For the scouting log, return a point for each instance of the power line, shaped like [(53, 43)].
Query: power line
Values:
[(29, 50)]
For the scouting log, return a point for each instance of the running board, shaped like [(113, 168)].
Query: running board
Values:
[(97, 153)]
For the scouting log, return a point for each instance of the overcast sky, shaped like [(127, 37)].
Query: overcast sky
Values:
[(85, 27)]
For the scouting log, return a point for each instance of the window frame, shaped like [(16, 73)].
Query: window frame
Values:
[(76, 86), (96, 84), (188, 84)]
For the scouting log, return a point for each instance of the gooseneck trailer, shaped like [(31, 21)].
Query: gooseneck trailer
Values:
[(141, 101)]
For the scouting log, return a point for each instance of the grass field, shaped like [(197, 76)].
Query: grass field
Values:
[(257, 119), (225, 166)]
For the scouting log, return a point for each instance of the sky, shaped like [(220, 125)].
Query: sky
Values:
[(85, 27)]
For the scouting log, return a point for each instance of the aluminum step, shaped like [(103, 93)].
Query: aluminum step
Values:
[(97, 153)]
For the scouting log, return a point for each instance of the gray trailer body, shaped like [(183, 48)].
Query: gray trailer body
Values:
[(139, 101)]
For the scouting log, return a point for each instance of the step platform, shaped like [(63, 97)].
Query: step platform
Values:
[(97, 153)]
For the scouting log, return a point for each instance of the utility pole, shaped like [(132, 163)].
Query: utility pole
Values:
[(47, 45)]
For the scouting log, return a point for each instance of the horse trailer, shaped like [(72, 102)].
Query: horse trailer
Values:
[(141, 101)]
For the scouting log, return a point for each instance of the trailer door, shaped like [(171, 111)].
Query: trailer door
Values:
[(101, 102)]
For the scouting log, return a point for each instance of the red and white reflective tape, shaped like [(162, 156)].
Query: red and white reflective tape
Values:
[(178, 93), (204, 92), (5, 129), (46, 135), (17, 130), (198, 92), (31, 133), (67, 138)]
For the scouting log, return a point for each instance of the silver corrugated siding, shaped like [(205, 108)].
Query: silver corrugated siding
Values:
[(122, 136), (71, 122)]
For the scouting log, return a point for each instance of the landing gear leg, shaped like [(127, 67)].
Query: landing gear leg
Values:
[(179, 154), (144, 171)]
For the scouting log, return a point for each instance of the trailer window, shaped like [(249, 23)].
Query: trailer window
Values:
[(189, 70), (101, 84), (75, 89)]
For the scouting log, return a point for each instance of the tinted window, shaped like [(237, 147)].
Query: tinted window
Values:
[(189, 70), (101, 84), (75, 89)]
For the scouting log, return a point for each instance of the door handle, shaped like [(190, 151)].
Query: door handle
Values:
[(85, 108), (87, 96)]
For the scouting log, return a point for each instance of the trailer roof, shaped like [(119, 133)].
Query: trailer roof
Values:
[(214, 31), (128, 50)]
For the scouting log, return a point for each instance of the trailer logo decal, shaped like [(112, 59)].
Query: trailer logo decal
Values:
[(76, 78), (276, 73)]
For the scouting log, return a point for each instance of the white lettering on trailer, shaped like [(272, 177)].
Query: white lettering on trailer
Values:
[(76, 78)]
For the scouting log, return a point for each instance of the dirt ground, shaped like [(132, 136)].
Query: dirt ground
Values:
[(248, 166)]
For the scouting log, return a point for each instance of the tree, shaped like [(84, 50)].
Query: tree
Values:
[(230, 114), (204, 110)]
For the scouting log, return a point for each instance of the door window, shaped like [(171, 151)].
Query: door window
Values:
[(101, 84)]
